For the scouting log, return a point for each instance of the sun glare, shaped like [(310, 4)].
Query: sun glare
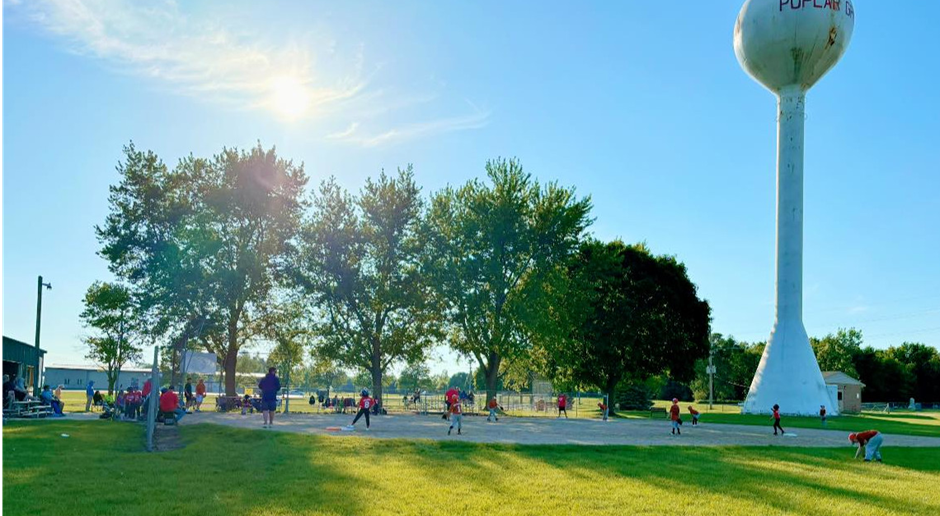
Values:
[(289, 97)]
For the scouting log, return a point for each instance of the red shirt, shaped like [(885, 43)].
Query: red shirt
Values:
[(864, 437), (169, 401), (493, 404), (147, 387), (449, 395), (776, 414), (201, 389), (693, 411), (561, 401), (366, 402), (674, 412), (822, 412), (455, 406), (132, 397)]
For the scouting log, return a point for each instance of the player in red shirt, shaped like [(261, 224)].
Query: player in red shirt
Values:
[(449, 395), (563, 405), (776, 418), (822, 414), (492, 406), (365, 404), (869, 441), (674, 416), (456, 414), (200, 394), (694, 414), (170, 403)]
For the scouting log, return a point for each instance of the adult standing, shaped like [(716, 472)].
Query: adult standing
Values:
[(188, 393), (89, 395), (869, 441), (200, 394), (269, 385)]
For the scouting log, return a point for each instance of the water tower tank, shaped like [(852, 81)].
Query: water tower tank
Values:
[(788, 45)]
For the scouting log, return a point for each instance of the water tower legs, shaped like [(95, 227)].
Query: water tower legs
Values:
[(788, 373)]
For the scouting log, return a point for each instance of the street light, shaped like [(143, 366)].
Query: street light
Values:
[(39, 284)]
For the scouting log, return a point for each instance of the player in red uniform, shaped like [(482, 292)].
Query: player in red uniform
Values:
[(456, 414), (776, 418), (365, 404), (694, 414), (563, 405), (869, 441)]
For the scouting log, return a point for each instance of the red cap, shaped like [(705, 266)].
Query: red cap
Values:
[(852, 437)]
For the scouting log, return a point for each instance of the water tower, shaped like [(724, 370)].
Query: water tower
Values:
[(788, 45)]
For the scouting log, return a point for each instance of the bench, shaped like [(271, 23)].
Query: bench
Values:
[(659, 410)]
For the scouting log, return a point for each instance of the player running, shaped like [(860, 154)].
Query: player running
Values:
[(456, 415), (365, 404), (674, 415), (776, 418)]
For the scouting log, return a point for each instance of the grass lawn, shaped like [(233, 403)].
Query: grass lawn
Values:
[(101, 469)]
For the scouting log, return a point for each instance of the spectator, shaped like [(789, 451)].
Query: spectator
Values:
[(89, 394), (132, 401), (8, 396), (246, 404), (48, 399), (200, 394), (170, 404), (97, 399), (58, 392), (120, 403), (147, 388), (19, 390), (269, 386), (188, 394)]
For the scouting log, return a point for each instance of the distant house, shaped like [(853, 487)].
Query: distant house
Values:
[(76, 377), (849, 390)]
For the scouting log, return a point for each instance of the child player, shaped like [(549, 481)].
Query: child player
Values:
[(776, 418), (674, 415), (456, 414), (562, 405), (492, 406), (694, 414), (365, 404), (603, 408), (822, 414)]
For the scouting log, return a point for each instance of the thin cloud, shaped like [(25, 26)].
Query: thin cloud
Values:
[(417, 130), (222, 59), (192, 55)]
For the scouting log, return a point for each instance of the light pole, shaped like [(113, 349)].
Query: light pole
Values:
[(39, 284), (711, 378)]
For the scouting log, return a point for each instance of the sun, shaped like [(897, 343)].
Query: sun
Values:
[(289, 97)]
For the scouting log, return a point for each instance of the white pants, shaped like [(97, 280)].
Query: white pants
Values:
[(492, 415), (873, 448), (455, 420)]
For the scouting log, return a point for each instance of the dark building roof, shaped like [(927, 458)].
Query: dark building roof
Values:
[(19, 351)]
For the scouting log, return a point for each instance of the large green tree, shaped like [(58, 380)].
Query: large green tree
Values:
[(635, 315), (492, 250), (735, 363), (836, 352), (359, 264), (110, 310), (202, 244)]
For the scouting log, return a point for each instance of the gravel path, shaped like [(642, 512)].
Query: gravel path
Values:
[(551, 431)]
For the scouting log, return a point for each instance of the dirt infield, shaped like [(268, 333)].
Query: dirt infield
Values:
[(550, 431)]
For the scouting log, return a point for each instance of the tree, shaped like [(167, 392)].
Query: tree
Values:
[(837, 352), (201, 244), (415, 376), (492, 250), (636, 315), (109, 309), (923, 364), (359, 264), (735, 364)]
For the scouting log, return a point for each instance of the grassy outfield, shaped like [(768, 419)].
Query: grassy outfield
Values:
[(101, 469)]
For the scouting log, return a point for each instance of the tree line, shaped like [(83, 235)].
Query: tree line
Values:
[(224, 252), (895, 374)]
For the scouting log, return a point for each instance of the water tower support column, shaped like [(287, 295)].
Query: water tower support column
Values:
[(790, 122)]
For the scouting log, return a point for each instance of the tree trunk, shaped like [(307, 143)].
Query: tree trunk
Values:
[(609, 391), (229, 364), (492, 374), (112, 379)]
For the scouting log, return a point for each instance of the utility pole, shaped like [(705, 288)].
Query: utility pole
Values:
[(711, 378), (38, 372)]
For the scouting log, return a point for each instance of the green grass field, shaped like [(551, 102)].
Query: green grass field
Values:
[(101, 469)]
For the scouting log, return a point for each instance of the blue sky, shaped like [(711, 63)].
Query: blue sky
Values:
[(641, 105)]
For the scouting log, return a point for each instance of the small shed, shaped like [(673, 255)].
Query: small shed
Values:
[(849, 390), (20, 360)]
